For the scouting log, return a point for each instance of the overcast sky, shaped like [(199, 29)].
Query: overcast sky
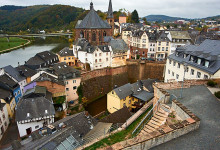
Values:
[(175, 8)]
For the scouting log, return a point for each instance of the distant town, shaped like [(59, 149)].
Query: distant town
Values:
[(117, 82)]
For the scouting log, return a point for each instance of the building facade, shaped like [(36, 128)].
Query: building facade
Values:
[(4, 121)]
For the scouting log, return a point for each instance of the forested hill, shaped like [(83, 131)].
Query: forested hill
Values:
[(39, 17)]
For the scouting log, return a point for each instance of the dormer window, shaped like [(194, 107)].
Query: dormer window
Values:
[(198, 61), (28, 114), (191, 59), (206, 63), (46, 111)]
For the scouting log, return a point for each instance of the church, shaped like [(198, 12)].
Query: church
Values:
[(93, 28)]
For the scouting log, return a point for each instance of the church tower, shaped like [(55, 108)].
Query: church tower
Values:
[(110, 16)]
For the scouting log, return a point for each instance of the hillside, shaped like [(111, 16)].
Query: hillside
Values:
[(161, 18), (40, 17)]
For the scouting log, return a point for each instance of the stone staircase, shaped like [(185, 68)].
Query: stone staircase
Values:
[(158, 119)]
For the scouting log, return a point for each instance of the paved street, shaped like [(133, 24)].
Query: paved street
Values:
[(203, 104), (10, 135)]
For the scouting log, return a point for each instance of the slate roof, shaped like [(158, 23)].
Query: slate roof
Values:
[(65, 71), (107, 39), (14, 73), (119, 116), (148, 84), (163, 37), (35, 107), (118, 46), (7, 82), (144, 95), (26, 71), (123, 91), (180, 35), (208, 50), (110, 11), (92, 21), (66, 52), (6, 95), (37, 90)]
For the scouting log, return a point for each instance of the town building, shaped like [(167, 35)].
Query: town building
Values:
[(178, 38), (4, 121), (42, 60), (9, 84), (125, 34), (66, 55), (96, 56), (6, 97), (133, 96), (122, 18), (33, 114), (16, 76), (28, 73), (163, 46), (71, 78), (194, 62), (93, 28), (120, 52)]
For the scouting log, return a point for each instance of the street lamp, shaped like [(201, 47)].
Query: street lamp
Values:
[(185, 68)]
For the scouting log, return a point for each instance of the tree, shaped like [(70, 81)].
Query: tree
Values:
[(134, 17)]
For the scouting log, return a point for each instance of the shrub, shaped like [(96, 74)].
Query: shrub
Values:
[(211, 83), (217, 94)]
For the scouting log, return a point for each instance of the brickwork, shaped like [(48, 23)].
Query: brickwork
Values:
[(142, 52)]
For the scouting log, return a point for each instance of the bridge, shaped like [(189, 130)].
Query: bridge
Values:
[(36, 35)]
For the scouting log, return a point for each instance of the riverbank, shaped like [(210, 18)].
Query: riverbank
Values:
[(14, 43)]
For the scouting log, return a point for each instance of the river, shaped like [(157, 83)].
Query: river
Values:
[(23, 54)]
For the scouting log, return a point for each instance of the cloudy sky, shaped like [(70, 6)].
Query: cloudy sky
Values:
[(176, 8)]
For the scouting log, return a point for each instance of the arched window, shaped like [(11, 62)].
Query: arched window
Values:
[(93, 36), (104, 33), (81, 34), (100, 36)]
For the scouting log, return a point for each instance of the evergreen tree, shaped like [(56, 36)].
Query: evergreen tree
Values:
[(135, 16)]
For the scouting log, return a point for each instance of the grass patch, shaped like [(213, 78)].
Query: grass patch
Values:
[(120, 136), (13, 42)]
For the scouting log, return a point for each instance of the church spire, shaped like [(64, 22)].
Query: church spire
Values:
[(110, 11)]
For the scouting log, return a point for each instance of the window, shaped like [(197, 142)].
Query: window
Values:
[(66, 82), (187, 69), (198, 61), (95, 54), (191, 59), (93, 36), (178, 66), (207, 63), (173, 74), (167, 44), (177, 76), (192, 72), (67, 89), (36, 127), (74, 81), (100, 60), (206, 76), (18, 92), (69, 58), (170, 61), (143, 45), (15, 94), (96, 60), (174, 63), (166, 48), (100, 54), (75, 87), (168, 71), (198, 74), (86, 59), (162, 48), (144, 41), (159, 43), (106, 59), (158, 48), (64, 58), (6, 124)]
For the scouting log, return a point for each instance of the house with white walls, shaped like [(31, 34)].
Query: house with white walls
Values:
[(194, 62), (33, 114), (4, 121), (96, 56)]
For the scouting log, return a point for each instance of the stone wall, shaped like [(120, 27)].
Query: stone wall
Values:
[(99, 82), (163, 134)]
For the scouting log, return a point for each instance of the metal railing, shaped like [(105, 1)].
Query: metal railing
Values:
[(146, 119)]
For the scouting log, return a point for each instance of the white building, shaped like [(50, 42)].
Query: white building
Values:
[(194, 62), (33, 114), (96, 56), (4, 121)]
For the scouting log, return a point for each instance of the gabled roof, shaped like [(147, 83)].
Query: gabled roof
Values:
[(6, 95), (123, 91), (66, 52), (26, 71), (36, 107), (7, 82), (163, 37), (92, 21), (118, 45), (14, 73)]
